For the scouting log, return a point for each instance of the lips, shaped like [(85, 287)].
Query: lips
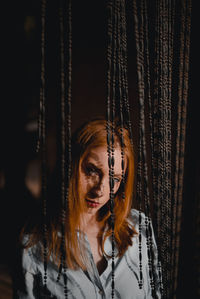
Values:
[(91, 203)]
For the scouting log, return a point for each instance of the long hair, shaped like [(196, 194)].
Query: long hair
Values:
[(91, 135)]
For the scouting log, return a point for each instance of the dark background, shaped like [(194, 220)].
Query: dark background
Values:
[(19, 106)]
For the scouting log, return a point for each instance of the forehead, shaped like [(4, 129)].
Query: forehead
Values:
[(99, 156)]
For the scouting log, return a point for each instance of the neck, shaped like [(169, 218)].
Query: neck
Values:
[(90, 224)]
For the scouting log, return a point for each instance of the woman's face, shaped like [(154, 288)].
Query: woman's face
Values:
[(94, 177)]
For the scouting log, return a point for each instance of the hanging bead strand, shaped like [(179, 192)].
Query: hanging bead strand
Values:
[(68, 123), (185, 32), (111, 166), (149, 101), (124, 68), (108, 127), (122, 91), (139, 162), (41, 145), (63, 142), (139, 33), (155, 123), (66, 86), (42, 76)]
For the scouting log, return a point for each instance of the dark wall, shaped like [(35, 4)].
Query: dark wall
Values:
[(189, 266)]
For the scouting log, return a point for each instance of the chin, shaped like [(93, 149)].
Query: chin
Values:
[(92, 210)]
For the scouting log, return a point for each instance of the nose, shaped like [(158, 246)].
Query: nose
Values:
[(96, 191)]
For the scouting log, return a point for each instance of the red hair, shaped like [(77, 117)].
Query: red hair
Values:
[(90, 135)]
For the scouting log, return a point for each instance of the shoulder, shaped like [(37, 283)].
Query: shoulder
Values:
[(135, 217), (147, 230), (31, 256)]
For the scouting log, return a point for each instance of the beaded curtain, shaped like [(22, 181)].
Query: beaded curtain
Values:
[(161, 32), (162, 35)]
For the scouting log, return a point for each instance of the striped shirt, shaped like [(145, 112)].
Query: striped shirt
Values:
[(89, 284)]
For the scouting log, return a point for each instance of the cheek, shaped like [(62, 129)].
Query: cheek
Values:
[(116, 187), (86, 183), (83, 183), (107, 190)]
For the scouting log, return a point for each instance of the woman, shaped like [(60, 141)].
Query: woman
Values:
[(88, 229)]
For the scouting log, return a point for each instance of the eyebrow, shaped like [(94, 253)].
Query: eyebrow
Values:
[(97, 165), (95, 157)]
